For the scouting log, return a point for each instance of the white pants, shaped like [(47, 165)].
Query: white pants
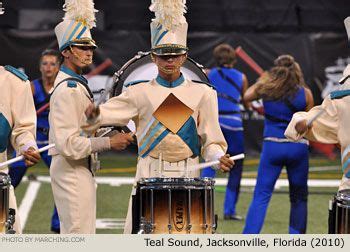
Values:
[(74, 191)]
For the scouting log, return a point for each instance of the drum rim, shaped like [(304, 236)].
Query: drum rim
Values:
[(117, 75), (175, 181), (343, 197)]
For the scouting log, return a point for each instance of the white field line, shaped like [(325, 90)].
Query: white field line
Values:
[(110, 223), (27, 201), (117, 181)]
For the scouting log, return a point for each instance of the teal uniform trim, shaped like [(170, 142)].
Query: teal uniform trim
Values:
[(73, 74), (160, 37), (16, 72), (81, 32), (132, 83), (206, 83), (5, 131), (156, 142), (189, 135), (71, 84), (152, 133), (345, 165), (66, 31), (74, 31), (168, 84), (339, 94)]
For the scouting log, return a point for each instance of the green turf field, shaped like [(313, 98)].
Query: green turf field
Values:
[(112, 201)]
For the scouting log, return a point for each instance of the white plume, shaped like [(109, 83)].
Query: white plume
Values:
[(169, 13), (80, 10)]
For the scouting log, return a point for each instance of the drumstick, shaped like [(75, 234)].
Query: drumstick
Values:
[(19, 158), (206, 164)]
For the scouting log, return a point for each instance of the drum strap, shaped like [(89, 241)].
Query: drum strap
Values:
[(157, 132)]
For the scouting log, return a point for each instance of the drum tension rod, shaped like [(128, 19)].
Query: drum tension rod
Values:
[(169, 211), (189, 206)]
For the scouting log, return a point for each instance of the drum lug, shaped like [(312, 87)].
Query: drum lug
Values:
[(170, 228), (215, 224), (10, 222), (146, 227), (189, 228)]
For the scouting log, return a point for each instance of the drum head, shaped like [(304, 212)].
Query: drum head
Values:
[(141, 68)]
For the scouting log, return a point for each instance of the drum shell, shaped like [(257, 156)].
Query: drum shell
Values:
[(177, 205), (5, 183), (342, 212)]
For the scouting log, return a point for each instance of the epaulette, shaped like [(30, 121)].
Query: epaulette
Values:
[(132, 83), (203, 82), (71, 84), (338, 94), (16, 72)]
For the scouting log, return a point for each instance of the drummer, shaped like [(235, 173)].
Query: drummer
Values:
[(176, 118), (330, 121), (17, 123)]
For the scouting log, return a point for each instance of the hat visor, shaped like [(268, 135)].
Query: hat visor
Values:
[(84, 43), (163, 51)]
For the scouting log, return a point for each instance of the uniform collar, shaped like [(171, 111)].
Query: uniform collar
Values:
[(70, 72), (172, 84)]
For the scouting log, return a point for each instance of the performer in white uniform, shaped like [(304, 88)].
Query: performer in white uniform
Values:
[(330, 121), (73, 158), (17, 122), (176, 119)]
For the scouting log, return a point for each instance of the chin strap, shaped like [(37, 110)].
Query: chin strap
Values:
[(85, 62)]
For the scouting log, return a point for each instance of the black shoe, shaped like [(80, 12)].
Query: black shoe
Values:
[(235, 217), (55, 230), (32, 177)]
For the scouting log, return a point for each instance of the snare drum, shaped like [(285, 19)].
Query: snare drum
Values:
[(339, 222), (175, 206), (5, 183)]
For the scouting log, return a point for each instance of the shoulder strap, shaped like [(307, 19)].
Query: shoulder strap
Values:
[(229, 80), (203, 82), (338, 94), (77, 80), (16, 72), (290, 105)]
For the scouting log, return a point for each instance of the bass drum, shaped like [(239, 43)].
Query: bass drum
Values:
[(142, 68)]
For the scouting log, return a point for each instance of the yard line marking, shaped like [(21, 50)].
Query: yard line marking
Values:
[(27, 202), (110, 223), (118, 181)]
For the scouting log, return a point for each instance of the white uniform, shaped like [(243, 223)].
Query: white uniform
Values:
[(138, 102), (332, 126), (17, 119), (72, 182)]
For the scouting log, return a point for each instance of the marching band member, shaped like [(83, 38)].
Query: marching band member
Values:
[(17, 122), (328, 122), (284, 92), (73, 160), (176, 119)]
